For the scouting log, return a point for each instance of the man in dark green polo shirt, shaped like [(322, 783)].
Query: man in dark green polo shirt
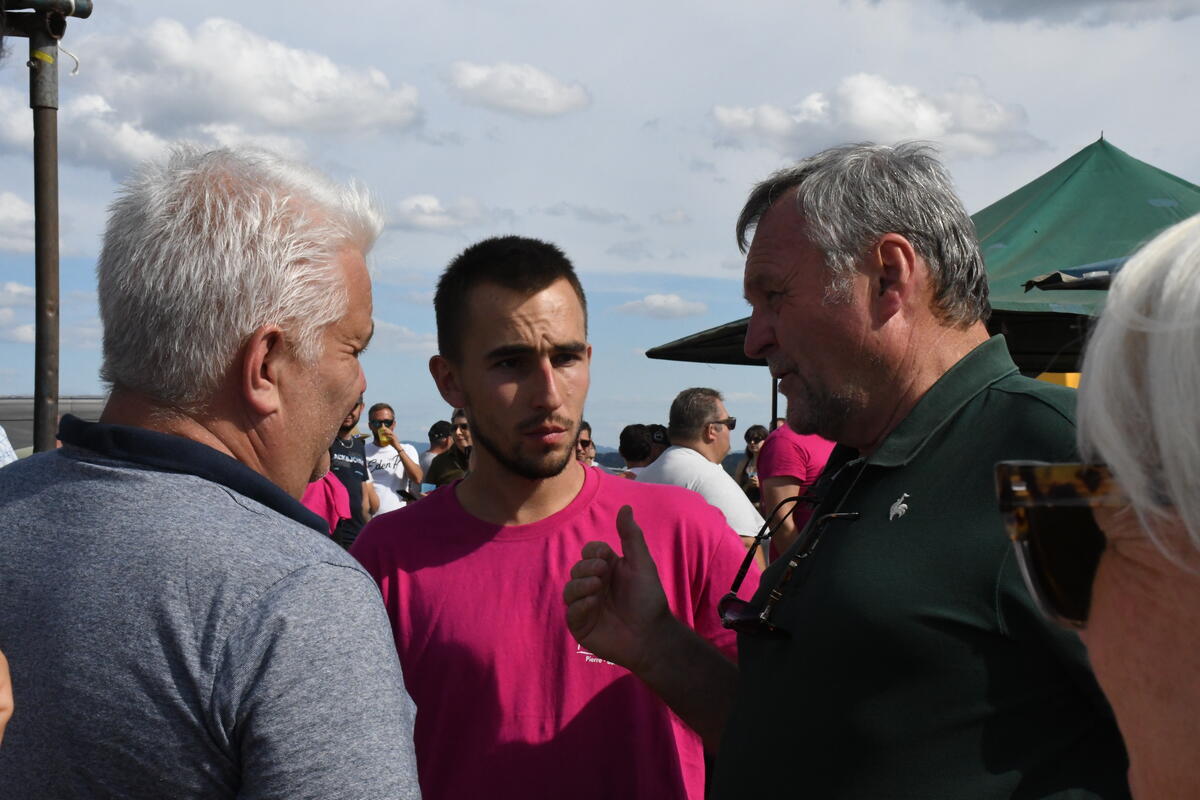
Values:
[(892, 652)]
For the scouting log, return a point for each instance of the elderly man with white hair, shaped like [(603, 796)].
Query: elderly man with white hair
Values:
[(1132, 587), (179, 625)]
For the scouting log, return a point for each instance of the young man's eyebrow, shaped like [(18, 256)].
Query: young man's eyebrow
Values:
[(513, 350)]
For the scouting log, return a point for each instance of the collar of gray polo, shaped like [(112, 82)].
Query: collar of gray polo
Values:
[(169, 453)]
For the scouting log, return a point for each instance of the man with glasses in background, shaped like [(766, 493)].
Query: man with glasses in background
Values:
[(892, 650), (455, 463), (699, 426), (394, 469), (585, 446)]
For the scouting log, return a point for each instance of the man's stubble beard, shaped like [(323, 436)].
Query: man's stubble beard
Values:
[(523, 467), (823, 412)]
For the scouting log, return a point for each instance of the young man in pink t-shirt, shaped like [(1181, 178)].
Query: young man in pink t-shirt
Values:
[(508, 704)]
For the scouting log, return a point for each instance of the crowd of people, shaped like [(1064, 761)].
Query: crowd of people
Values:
[(690, 452), (179, 624)]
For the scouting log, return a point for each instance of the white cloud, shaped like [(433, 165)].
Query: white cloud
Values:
[(426, 212), (16, 224), (516, 88), (15, 294), (218, 83), (663, 306), (965, 120), (391, 337), (1086, 12), (22, 334)]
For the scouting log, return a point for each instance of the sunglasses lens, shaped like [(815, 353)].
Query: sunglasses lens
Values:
[(1062, 551), (738, 615)]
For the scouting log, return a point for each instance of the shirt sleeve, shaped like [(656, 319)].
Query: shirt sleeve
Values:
[(310, 692), (780, 457)]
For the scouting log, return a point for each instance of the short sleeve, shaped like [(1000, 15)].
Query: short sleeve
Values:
[(309, 692), (781, 457)]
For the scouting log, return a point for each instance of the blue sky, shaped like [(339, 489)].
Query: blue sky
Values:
[(627, 133)]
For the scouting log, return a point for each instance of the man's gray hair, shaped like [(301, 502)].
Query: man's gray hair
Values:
[(203, 249), (1138, 410), (691, 410), (850, 196)]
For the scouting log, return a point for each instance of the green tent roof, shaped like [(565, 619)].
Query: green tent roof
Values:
[(1098, 205)]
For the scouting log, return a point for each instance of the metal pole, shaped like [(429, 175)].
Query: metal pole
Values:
[(43, 99), (774, 400)]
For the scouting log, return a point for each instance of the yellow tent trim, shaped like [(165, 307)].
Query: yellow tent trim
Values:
[(1061, 378)]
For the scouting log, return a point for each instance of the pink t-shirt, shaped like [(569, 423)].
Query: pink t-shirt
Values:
[(508, 704), (802, 457), (327, 497)]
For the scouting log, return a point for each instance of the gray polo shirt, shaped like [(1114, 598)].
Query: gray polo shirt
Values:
[(177, 626)]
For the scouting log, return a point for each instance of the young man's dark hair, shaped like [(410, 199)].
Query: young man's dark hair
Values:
[(380, 407), (513, 262), (635, 444)]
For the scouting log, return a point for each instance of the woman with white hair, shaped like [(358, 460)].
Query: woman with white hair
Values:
[(1132, 585), (1139, 413)]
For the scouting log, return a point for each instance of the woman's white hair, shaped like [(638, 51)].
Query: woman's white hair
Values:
[(1139, 396), (205, 248)]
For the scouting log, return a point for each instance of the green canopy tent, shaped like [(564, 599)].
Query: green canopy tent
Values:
[(1091, 211), (1088, 213)]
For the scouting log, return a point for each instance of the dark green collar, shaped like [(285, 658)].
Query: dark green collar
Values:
[(978, 369)]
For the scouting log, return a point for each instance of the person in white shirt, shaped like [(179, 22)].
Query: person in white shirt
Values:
[(393, 464), (7, 455), (699, 429)]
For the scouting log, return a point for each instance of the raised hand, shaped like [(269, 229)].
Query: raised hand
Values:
[(615, 604)]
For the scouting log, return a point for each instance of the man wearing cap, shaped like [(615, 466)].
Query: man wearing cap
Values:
[(455, 463), (439, 442)]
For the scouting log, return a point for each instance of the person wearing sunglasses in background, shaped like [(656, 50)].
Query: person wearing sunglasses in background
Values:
[(508, 705), (1131, 587), (455, 463), (585, 445), (891, 651), (745, 474), (700, 428), (394, 469)]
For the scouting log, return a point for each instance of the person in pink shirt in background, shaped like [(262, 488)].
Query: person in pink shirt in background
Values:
[(788, 464), (327, 497)]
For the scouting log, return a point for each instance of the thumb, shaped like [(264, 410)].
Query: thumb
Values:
[(633, 543)]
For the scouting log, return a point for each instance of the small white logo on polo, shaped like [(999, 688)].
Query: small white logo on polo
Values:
[(899, 508)]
